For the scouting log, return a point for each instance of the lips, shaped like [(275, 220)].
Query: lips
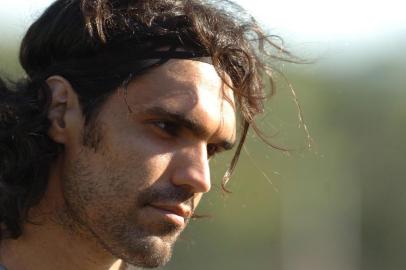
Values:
[(176, 209)]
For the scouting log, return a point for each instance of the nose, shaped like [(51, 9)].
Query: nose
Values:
[(192, 169)]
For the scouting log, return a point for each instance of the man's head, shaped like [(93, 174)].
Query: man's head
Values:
[(136, 190), (124, 104)]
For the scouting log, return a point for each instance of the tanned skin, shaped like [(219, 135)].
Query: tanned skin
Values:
[(128, 195)]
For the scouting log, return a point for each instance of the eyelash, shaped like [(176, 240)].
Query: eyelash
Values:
[(173, 129)]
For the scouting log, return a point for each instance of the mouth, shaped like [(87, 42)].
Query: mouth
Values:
[(173, 213)]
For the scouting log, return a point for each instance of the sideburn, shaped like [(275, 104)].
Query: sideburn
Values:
[(92, 134)]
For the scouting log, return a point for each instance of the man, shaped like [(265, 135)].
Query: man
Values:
[(105, 146)]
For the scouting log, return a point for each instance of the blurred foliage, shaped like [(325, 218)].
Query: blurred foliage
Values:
[(339, 205)]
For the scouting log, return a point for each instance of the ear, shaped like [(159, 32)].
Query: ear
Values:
[(64, 112)]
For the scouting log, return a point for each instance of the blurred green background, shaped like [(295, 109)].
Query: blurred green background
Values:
[(337, 206)]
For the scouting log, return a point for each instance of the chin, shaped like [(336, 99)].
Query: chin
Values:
[(149, 252)]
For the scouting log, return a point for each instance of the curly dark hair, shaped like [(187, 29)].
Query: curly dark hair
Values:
[(99, 46)]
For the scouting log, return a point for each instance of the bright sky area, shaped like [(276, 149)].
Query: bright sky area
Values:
[(311, 18), (301, 22)]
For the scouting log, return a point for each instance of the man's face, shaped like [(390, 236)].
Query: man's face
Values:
[(136, 190)]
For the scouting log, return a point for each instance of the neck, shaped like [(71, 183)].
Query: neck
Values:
[(47, 245)]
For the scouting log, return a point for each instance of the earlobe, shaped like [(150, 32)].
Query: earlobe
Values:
[(64, 99)]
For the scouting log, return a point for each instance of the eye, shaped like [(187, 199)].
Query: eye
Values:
[(212, 149), (169, 127)]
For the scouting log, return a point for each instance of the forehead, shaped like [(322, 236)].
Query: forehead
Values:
[(187, 87), (181, 78)]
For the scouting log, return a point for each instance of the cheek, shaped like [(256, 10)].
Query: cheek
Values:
[(131, 165), (118, 179), (135, 153), (125, 162)]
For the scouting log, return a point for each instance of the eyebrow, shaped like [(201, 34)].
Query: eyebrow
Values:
[(189, 123)]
